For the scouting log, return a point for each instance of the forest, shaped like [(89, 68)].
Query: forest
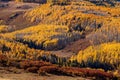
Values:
[(61, 37)]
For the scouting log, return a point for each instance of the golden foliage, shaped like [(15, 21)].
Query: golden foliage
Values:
[(107, 53), (18, 51), (44, 35), (74, 13), (3, 28)]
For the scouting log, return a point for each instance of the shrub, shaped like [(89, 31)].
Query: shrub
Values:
[(3, 60), (86, 72), (48, 69), (45, 68), (27, 64), (32, 69)]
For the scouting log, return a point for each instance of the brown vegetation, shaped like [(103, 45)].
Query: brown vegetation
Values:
[(44, 68), (27, 64), (86, 72), (32, 69), (3, 60)]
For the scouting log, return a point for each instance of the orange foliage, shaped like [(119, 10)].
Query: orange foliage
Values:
[(85, 72), (27, 64), (32, 69), (44, 68)]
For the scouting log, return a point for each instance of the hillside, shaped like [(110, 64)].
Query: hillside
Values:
[(66, 39), (12, 10)]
